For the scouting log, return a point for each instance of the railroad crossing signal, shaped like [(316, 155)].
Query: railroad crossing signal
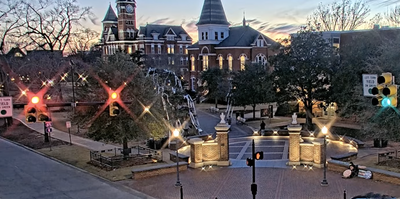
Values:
[(385, 92)]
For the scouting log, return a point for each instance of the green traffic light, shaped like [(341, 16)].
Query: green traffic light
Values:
[(386, 102)]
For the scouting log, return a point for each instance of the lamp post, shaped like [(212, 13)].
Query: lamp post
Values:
[(178, 182), (73, 88), (324, 182)]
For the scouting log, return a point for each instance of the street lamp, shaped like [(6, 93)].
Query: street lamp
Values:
[(178, 183), (324, 182)]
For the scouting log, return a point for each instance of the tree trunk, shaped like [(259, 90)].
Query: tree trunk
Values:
[(309, 124), (216, 102), (254, 111)]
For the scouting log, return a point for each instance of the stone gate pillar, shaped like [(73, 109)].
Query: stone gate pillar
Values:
[(196, 152), (223, 141), (294, 148)]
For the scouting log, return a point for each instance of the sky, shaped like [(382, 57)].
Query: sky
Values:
[(274, 18)]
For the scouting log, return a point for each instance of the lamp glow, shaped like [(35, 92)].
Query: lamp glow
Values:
[(35, 100)]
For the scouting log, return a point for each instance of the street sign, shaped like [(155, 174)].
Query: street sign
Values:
[(48, 124), (369, 82), (6, 107), (68, 124)]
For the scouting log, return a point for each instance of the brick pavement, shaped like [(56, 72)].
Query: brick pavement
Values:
[(273, 183)]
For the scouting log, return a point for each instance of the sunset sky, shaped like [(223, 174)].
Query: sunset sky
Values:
[(273, 18)]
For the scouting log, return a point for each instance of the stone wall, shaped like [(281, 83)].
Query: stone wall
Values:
[(211, 151)]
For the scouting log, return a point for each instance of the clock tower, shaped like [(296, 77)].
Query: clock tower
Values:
[(126, 19)]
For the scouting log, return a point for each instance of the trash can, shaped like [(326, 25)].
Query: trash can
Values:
[(380, 143)]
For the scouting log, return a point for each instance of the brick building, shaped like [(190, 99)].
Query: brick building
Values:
[(162, 44), (223, 46)]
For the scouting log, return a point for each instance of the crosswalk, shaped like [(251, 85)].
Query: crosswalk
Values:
[(276, 150)]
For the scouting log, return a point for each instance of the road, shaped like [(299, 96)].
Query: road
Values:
[(27, 175), (209, 120)]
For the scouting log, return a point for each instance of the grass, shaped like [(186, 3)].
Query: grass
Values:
[(79, 157)]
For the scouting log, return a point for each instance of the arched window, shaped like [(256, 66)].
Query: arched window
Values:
[(193, 61), (205, 62), (230, 60), (220, 61), (261, 59), (242, 59)]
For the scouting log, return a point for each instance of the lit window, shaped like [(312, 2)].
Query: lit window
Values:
[(186, 50), (170, 49), (130, 49), (169, 60), (205, 62), (152, 49), (242, 62), (221, 61), (192, 59), (230, 60)]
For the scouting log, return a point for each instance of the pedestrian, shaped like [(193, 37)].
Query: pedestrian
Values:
[(262, 125)]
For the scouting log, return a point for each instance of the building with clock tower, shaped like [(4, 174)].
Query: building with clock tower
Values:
[(164, 45)]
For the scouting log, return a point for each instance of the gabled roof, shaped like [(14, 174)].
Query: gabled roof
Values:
[(161, 29), (243, 36), (213, 13), (110, 15), (240, 36)]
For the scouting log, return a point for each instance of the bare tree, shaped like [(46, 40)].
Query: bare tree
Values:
[(340, 15), (82, 40), (9, 20), (393, 16), (50, 28)]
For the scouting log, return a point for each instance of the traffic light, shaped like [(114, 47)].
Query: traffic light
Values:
[(30, 113), (31, 109), (250, 162), (259, 155), (114, 109), (114, 106), (42, 114), (385, 92)]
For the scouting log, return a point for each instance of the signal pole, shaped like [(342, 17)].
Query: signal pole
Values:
[(254, 185)]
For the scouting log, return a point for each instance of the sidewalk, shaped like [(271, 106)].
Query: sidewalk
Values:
[(76, 140)]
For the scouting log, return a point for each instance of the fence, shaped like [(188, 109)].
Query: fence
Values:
[(112, 158)]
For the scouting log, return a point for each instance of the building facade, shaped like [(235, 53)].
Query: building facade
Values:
[(222, 46), (162, 44)]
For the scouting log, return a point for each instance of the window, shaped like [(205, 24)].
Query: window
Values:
[(141, 46), (242, 62), (202, 35), (205, 62), (186, 50), (170, 37), (336, 42), (169, 60), (193, 60), (180, 49), (170, 49), (206, 35), (159, 49), (222, 35), (187, 61), (152, 49), (260, 43), (182, 61), (261, 59), (216, 35), (230, 59), (220, 61), (136, 47), (130, 49)]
